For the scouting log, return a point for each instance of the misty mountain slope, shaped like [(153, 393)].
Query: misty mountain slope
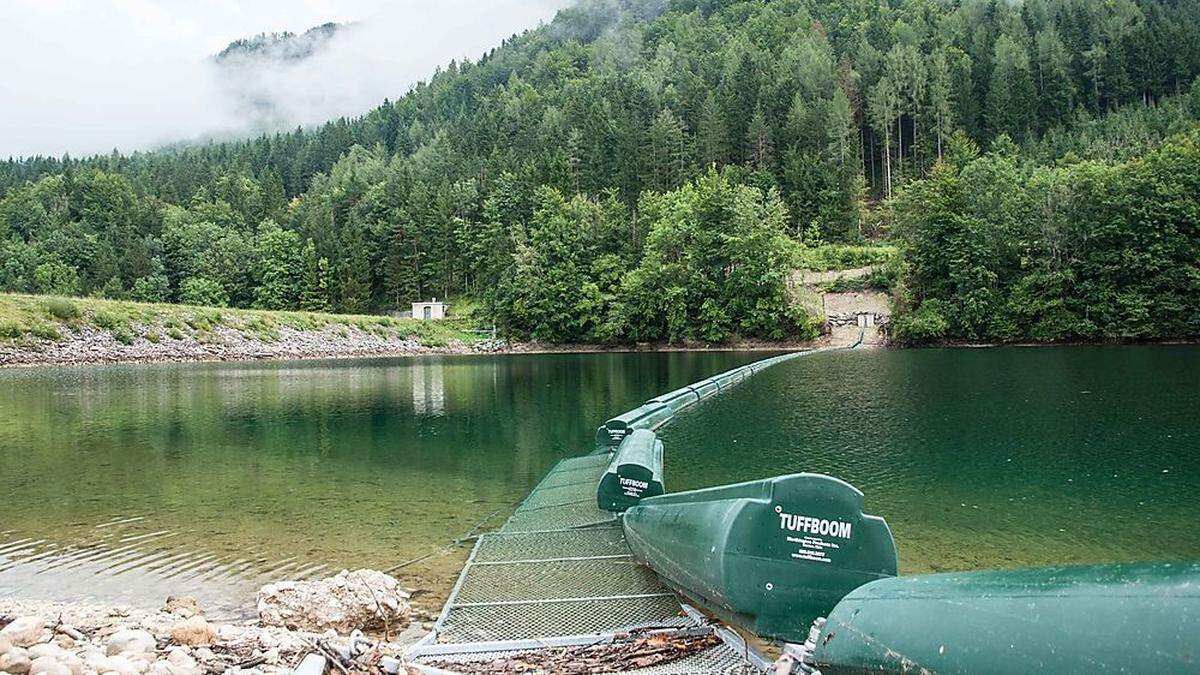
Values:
[(278, 47), (636, 118), (260, 74)]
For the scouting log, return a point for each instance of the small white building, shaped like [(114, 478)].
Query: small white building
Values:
[(429, 311)]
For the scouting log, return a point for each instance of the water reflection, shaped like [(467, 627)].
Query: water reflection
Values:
[(129, 483), (428, 389)]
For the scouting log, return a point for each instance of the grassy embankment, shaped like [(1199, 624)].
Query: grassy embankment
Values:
[(27, 319)]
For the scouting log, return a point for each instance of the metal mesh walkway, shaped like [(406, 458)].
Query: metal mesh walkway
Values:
[(558, 576), (559, 573)]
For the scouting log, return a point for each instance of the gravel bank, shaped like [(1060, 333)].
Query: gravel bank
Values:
[(89, 345)]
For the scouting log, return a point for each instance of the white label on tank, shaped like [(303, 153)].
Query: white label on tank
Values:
[(810, 525), (813, 546)]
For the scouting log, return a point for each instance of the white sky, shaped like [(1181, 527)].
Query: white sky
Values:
[(87, 76)]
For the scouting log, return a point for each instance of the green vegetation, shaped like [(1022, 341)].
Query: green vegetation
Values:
[(26, 317), (997, 250), (841, 257), (595, 178)]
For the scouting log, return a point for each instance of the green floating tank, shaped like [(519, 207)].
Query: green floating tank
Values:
[(772, 555), (676, 400), (731, 377), (634, 473), (611, 433), (1132, 618), (705, 388)]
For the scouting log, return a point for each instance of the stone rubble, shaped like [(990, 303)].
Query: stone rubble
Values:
[(363, 599), (40, 638), (91, 345)]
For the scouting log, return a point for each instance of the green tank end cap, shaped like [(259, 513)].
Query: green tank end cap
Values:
[(1122, 618), (648, 416), (634, 473), (772, 555)]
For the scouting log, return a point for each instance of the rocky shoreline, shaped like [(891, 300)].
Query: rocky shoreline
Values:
[(92, 346), (295, 619)]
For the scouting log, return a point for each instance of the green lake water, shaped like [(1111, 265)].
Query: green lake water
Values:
[(124, 484)]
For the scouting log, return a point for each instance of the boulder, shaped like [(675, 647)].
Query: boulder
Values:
[(15, 661), (72, 662), (125, 666), (130, 640), (193, 632), (5, 644), (24, 631), (178, 656), (48, 665), (363, 599)]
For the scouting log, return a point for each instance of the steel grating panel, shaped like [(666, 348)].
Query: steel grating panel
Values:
[(583, 461), (720, 660), (557, 580), (579, 514), (560, 496), (578, 543), (575, 472), (525, 620)]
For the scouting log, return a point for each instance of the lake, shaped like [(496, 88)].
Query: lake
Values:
[(125, 484)]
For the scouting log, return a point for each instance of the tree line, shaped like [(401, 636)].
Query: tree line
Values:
[(556, 175)]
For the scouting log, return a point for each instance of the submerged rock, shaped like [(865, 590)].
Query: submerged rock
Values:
[(184, 606), (363, 599)]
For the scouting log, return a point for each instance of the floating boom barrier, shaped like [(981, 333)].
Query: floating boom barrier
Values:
[(1123, 618), (772, 555), (559, 573), (585, 563)]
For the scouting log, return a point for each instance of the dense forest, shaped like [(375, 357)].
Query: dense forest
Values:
[(641, 170)]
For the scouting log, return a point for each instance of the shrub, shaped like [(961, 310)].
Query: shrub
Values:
[(62, 309), (153, 288), (927, 324), (10, 330), (123, 335), (203, 292), (56, 278), (108, 320), (45, 331)]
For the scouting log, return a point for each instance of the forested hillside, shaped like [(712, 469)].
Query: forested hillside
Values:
[(641, 171)]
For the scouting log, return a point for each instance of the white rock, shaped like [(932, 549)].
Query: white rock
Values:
[(72, 662), (98, 662), (15, 661), (130, 640), (229, 633), (124, 666), (179, 656), (48, 665), (64, 641), (140, 659), (364, 599), (48, 649), (24, 631), (168, 668), (5, 644), (205, 654)]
